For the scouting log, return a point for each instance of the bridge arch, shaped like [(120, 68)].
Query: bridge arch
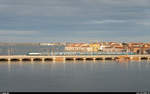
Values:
[(144, 58), (108, 58), (37, 59), (89, 59), (116, 58), (3, 59), (14, 59), (26, 59), (80, 59), (48, 59), (69, 59), (99, 58)]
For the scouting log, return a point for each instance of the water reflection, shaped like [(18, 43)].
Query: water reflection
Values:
[(20, 63), (85, 65), (75, 76), (9, 66), (64, 66)]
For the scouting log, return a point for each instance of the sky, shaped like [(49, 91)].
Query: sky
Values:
[(74, 20)]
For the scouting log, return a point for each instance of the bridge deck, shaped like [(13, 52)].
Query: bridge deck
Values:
[(71, 57)]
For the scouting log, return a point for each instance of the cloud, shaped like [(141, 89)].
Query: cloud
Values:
[(17, 32), (143, 23), (119, 3), (73, 19), (105, 21)]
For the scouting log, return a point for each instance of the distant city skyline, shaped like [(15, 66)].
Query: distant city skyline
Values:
[(74, 20)]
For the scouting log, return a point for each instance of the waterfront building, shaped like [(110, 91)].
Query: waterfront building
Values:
[(81, 47), (139, 48), (112, 47), (95, 47)]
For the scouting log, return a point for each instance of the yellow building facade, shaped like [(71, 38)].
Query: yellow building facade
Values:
[(95, 46)]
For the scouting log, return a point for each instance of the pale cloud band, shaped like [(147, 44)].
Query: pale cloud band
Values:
[(105, 21), (17, 32)]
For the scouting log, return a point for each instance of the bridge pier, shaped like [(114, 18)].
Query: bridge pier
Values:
[(64, 59), (94, 59), (104, 58), (9, 59), (31, 59), (74, 59), (54, 59), (43, 59), (20, 59), (84, 59)]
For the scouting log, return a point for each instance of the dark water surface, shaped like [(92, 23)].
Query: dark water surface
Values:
[(74, 76)]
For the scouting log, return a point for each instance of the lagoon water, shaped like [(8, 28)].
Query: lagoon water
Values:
[(101, 76)]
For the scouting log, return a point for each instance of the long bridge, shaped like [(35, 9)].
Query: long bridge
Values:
[(15, 58)]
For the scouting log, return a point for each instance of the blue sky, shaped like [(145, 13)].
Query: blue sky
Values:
[(74, 20)]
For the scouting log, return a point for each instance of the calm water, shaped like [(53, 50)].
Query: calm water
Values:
[(77, 76)]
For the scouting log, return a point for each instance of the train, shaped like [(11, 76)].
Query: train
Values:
[(81, 53)]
